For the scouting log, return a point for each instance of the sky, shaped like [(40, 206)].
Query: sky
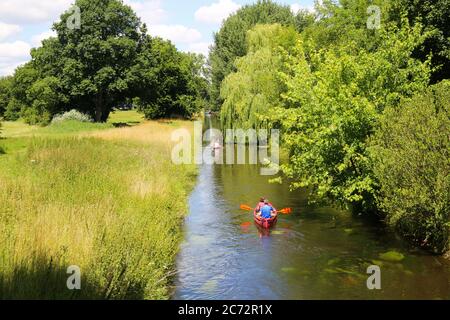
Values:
[(188, 24)]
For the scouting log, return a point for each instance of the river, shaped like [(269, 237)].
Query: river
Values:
[(314, 253)]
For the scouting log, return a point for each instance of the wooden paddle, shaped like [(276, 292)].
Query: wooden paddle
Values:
[(282, 211)]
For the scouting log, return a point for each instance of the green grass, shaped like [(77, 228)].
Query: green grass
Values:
[(11, 129), (14, 129), (111, 207), (131, 117)]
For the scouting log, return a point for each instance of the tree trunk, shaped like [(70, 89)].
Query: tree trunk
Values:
[(99, 107)]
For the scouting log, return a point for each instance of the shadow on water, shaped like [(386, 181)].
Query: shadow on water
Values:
[(315, 253)]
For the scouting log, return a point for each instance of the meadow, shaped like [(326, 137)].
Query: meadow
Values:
[(105, 199)]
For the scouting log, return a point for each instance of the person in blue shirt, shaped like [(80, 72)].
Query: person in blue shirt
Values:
[(267, 211)]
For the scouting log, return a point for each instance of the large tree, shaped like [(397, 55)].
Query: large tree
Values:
[(107, 61), (230, 42), (93, 62), (256, 86)]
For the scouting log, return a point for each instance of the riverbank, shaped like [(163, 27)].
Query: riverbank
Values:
[(108, 200)]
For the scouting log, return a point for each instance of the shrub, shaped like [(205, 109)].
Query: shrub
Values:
[(410, 156), (72, 115), (12, 111)]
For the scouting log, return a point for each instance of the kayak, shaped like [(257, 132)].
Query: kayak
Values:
[(264, 223)]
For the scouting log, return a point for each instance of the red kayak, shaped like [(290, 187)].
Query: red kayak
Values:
[(265, 223)]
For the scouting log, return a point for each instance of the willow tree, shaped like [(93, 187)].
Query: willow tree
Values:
[(230, 41), (256, 86)]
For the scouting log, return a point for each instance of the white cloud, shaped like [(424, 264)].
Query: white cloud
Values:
[(7, 69), (296, 7), (8, 30), (14, 49), (36, 40), (13, 54), (175, 33), (199, 47), (150, 11), (32, 11), (216, 12)]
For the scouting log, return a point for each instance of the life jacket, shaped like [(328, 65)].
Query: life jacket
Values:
[(259, 206)]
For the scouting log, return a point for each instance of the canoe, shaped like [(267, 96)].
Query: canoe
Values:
[(265, 223)]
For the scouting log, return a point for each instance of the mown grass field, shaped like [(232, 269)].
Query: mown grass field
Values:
[(108, 200)]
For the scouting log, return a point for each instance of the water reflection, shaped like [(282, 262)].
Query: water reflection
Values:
[(315, 253)]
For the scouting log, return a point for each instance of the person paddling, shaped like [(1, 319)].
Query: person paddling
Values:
[(260, 205), (267, 211)]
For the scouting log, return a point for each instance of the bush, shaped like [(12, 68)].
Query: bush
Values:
[(72, 115), (12, 111), (410, 156)]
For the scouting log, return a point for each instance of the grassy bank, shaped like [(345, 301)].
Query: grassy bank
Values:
[(109, 201)]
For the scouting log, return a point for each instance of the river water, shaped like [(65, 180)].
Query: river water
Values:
[(314, 253)]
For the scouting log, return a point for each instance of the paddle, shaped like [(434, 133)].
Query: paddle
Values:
[(285, 211), (246, 208), (282, 211)]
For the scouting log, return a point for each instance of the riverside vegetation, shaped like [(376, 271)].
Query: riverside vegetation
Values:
[(106, 199), (336, 85)]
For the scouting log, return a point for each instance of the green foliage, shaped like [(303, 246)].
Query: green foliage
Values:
[(5, 93), (106, 63), (341, 21), (392, 256), (333, 102), (92, 64), (230, 42), (46, 98), (433, 14), (410, 154), (256, 86), (171, 83), (23, 79)]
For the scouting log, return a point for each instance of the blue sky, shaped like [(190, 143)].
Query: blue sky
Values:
[(188, 24)]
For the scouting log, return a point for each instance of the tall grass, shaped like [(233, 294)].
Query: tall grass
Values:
[(110, 206)]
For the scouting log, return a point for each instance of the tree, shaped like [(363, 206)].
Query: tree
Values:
[(46, 99), (341, 21), (433, 14), (230, 42), (23, 79), (333, 103), (5, 93), (93, 63), (170, 82), (410, 152), (256, 86), (107, 62)]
